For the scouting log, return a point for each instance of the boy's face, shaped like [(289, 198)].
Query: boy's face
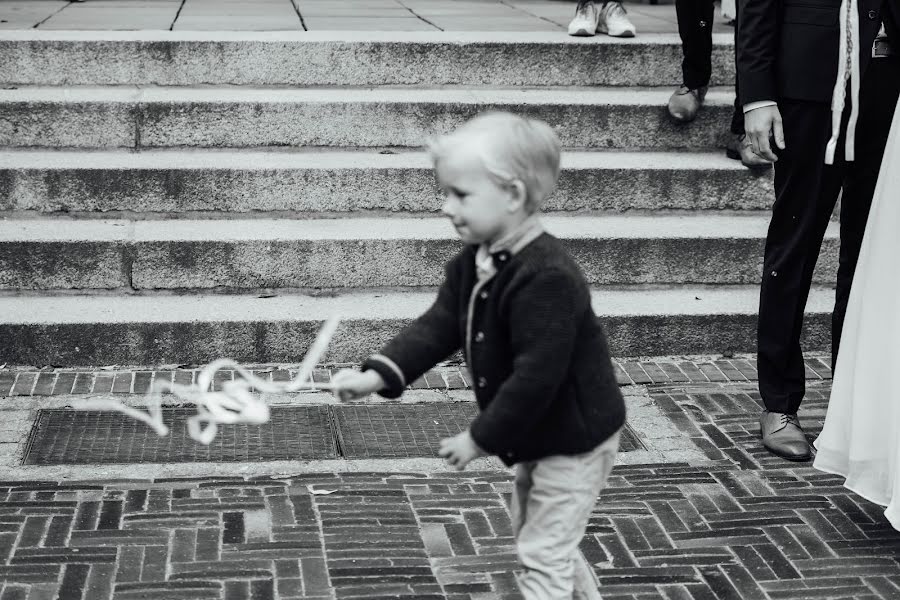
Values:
[(481, 210)]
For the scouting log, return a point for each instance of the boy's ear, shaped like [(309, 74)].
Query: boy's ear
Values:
[(518, 195)]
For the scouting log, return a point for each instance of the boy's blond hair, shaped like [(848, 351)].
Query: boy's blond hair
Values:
[(511, 148)]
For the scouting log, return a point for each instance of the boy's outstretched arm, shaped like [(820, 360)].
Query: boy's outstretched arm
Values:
[(426, 341), (543, 318)]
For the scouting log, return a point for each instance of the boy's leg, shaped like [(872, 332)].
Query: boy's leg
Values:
[(584, 578), (562, 496), (586, 585)]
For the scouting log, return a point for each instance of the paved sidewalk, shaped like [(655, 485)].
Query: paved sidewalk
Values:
[(116, 379), (728, 522), (318, 15), (37, 401), (736, 524), (443, 395)]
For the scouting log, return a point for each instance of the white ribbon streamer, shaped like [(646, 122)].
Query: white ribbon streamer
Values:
[(848, 69), (235, 403)]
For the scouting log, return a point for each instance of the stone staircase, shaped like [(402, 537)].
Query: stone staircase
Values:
[(172, 197)]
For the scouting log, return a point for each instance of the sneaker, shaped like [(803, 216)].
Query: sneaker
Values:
[(587, 16), (685, 103), (614, 20)]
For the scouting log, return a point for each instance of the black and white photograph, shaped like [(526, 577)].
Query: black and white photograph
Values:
[(449, 299)]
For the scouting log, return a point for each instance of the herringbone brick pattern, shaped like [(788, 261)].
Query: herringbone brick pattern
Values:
[(723, 420), (682, 532), (741, 526), (660, 531)]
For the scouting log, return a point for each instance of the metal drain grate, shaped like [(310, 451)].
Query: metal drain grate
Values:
[(399, 430), (71, 437), (412, 430)]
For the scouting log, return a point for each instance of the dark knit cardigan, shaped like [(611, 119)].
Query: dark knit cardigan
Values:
[(538, 356)]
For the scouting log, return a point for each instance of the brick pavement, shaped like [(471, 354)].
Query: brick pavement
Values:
[(317, 15), (738, 525), (49, 381), (670, 531)]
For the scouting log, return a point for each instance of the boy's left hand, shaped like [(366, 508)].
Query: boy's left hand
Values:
[(460, 450)]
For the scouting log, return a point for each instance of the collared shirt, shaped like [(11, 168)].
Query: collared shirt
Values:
[(529, 230)]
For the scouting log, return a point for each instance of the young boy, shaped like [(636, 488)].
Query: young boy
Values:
[(520, 307)]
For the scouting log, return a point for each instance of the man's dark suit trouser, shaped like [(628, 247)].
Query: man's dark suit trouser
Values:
[(806, 190), (695, 22)]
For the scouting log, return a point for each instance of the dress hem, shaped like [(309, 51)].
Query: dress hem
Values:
[(840, 473), (892, 519)]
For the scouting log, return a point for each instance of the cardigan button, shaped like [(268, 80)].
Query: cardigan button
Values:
[(482, 382), (483, 295), (479, 337), (873, 14)]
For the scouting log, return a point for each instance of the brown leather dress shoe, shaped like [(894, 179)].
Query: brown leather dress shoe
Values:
[(739, 149), (782, 435), (685, 103)]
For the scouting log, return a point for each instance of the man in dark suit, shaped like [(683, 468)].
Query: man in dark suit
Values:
[(787, 61)]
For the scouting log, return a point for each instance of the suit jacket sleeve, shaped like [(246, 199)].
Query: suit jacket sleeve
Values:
[(543, 317), (426, 341), (756, 49)]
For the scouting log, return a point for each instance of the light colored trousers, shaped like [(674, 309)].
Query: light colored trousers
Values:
[(551, 503)]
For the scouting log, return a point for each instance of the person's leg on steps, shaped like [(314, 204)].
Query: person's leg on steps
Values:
[(695, 22)]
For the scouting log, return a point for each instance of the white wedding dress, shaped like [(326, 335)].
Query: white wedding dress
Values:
[(861, 437)]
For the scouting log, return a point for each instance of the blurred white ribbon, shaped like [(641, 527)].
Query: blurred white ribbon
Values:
[(235, 403)]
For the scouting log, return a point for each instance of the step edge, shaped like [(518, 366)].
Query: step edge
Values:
[(131, 94), (365, 307), (254, 159), (699, 226), (398, 37)]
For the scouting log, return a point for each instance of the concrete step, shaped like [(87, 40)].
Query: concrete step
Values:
[(130, 117), (179, 182), (103, 330), (346, 58), (365, 252)]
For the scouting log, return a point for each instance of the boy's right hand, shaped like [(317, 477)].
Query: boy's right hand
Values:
[(348, 384)]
